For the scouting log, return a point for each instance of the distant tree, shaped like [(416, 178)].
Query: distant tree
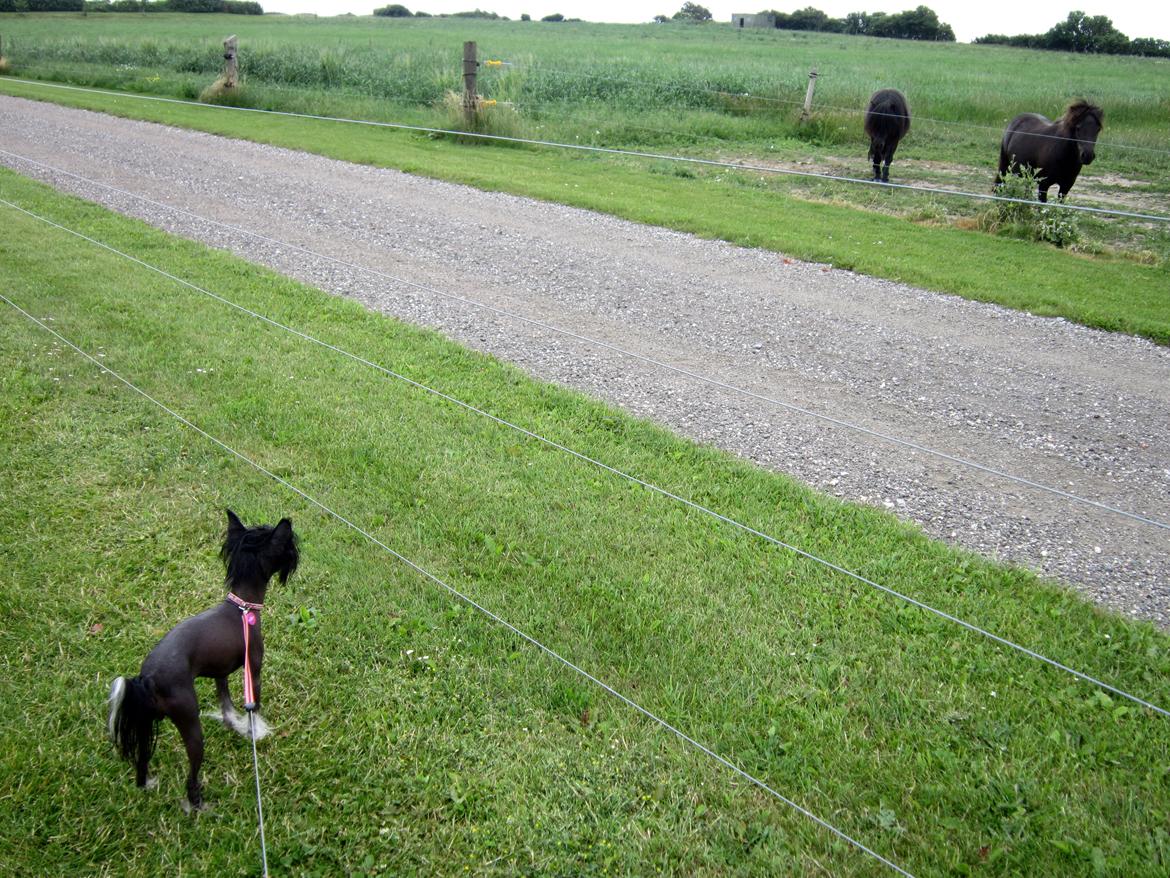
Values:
[(394, 10), (556, 16), (525, 17), (1083, 33), (1150, 47), (693, 12), (917, 24), (805, 19), (1087, 33), (421, 14), (661, 19), (50, 6), (477, 13)]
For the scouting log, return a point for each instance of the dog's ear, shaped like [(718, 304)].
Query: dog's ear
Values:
[(283, 544), (235, 532), (234, 523)]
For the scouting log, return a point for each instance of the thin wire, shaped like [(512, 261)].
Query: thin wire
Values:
[(256, 765), (690, 504), (619, 350), (580, 147), (454, 592)]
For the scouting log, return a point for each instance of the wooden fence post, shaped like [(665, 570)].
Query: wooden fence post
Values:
[(808, 95), (470, 65), (231, 66)]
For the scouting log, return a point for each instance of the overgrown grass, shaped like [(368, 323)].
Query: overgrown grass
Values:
[(413, 735)]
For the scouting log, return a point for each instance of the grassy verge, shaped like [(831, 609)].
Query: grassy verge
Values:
[(412, 735), (1112, 294)]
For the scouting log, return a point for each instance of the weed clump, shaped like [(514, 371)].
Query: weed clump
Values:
[(219, 92), (5, 67), (1027, 218), (487, 117)]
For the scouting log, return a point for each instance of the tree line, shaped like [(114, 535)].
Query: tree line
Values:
[(921, 23), (1083, 33), (914, 24), (232, 7)]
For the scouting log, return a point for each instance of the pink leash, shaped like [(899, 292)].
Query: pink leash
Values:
[(248, 618)]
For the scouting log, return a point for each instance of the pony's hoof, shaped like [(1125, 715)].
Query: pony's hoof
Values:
[(151, 783), (189, 809)]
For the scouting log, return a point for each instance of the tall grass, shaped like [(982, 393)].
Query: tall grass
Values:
[(579, 74)]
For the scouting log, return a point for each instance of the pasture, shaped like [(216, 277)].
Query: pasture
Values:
[(414, 735), (693, 91)]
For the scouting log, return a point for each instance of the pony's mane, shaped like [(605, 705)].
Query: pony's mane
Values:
[(1078, 110)]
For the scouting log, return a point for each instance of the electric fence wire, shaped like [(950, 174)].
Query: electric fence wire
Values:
[(603, 150), (722, 93), (454, 592), (690, 504), (512, 315)]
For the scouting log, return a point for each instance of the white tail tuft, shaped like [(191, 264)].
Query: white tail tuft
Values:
[(117, 693)]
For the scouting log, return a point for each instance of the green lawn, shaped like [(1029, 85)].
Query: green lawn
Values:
[(414, 736)]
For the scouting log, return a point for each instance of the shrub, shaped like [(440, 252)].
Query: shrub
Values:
[(1032, 220), (394, 10), (1059, 227)]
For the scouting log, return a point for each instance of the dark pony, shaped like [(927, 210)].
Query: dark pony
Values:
[(210, 644), (887, 121), (1055, 151)]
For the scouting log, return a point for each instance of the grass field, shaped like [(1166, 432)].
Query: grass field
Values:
[(415, 736)]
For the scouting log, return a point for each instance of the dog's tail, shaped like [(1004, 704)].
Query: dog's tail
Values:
[(133, 721)]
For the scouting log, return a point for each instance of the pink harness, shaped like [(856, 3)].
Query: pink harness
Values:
[(248, 618)]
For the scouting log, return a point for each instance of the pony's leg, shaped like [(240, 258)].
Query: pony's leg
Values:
[(1043, 193), (227, 708), (886, 172), (184, 713), (877, 171)]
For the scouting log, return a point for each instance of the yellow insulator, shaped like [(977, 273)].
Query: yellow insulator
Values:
[(490, 103), (493, 63)]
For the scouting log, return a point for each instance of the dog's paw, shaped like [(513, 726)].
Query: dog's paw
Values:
[(262, 729), (236, 723)]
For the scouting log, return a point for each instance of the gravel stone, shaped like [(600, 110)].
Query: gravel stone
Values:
[(1072, 408)]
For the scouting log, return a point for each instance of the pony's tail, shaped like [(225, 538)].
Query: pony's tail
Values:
[(133, 721)]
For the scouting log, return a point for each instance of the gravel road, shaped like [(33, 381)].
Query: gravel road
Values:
[(1076, 409)]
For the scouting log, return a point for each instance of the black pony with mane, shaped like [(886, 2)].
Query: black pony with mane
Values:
[(887, 121), (1055, 151)]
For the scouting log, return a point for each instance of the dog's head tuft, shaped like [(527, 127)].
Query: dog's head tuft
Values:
[(253, 555)]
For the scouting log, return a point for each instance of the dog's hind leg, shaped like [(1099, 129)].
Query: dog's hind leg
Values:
[(184, 713)]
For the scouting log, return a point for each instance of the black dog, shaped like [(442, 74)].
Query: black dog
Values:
[(210, 644)]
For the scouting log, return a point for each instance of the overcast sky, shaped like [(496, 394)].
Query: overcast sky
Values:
[(970, 19)]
